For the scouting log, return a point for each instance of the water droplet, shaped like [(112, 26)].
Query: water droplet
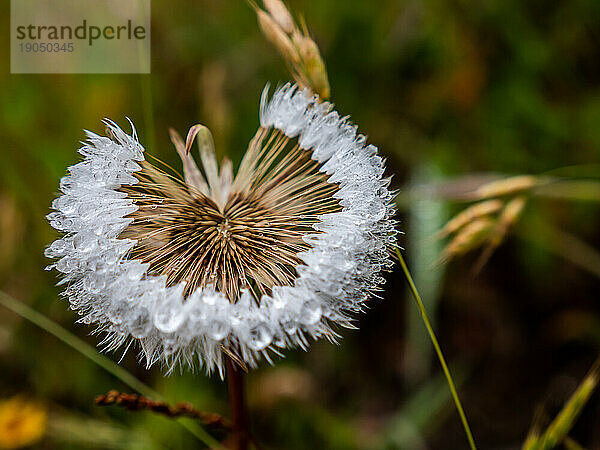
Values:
[(84, 242), (210, 299), (65, 205), (197, 316), (290, 326), (66, 183), (64, 265), (168, 318), (93, 283), (311, 312), (260, 337), (136, 272), (118, 311), (218, 330), (170, 348), (57, 248), (140, 325)]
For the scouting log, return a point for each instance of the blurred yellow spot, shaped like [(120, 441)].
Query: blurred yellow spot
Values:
[(22, 422)]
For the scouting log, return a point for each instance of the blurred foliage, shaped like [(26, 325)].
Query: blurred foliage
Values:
[(557, 431), (459, 88)]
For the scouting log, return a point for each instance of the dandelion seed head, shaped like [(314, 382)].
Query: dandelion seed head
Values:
[(216, 264)]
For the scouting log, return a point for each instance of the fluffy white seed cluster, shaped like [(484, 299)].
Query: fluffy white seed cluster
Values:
[(342, 269)]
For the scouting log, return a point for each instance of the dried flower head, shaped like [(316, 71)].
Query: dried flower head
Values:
[(487, 222), (280, 15), (297, 48), (213, 263)]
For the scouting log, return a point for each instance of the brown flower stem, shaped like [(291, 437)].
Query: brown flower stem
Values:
[(237, 403)]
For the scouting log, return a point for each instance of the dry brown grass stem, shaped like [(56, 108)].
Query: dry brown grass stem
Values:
[(135, 402)]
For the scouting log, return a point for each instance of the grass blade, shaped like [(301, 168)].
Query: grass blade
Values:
[(438, 350), (559, 428)]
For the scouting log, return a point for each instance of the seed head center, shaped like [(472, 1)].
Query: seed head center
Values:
[(224, 229)]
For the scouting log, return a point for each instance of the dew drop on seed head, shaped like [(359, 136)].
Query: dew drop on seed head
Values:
[(140, 324), (260, 337), (218, 330), (311, 312), (168, 318)]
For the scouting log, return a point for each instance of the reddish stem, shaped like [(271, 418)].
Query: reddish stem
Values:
[(237, 404)]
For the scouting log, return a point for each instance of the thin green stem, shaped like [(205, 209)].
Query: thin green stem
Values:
[(438, 350), (92, 354)]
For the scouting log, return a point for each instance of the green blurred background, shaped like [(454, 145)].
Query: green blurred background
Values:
[(446, 90)]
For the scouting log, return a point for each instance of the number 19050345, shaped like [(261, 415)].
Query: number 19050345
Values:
[(46, 47)]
